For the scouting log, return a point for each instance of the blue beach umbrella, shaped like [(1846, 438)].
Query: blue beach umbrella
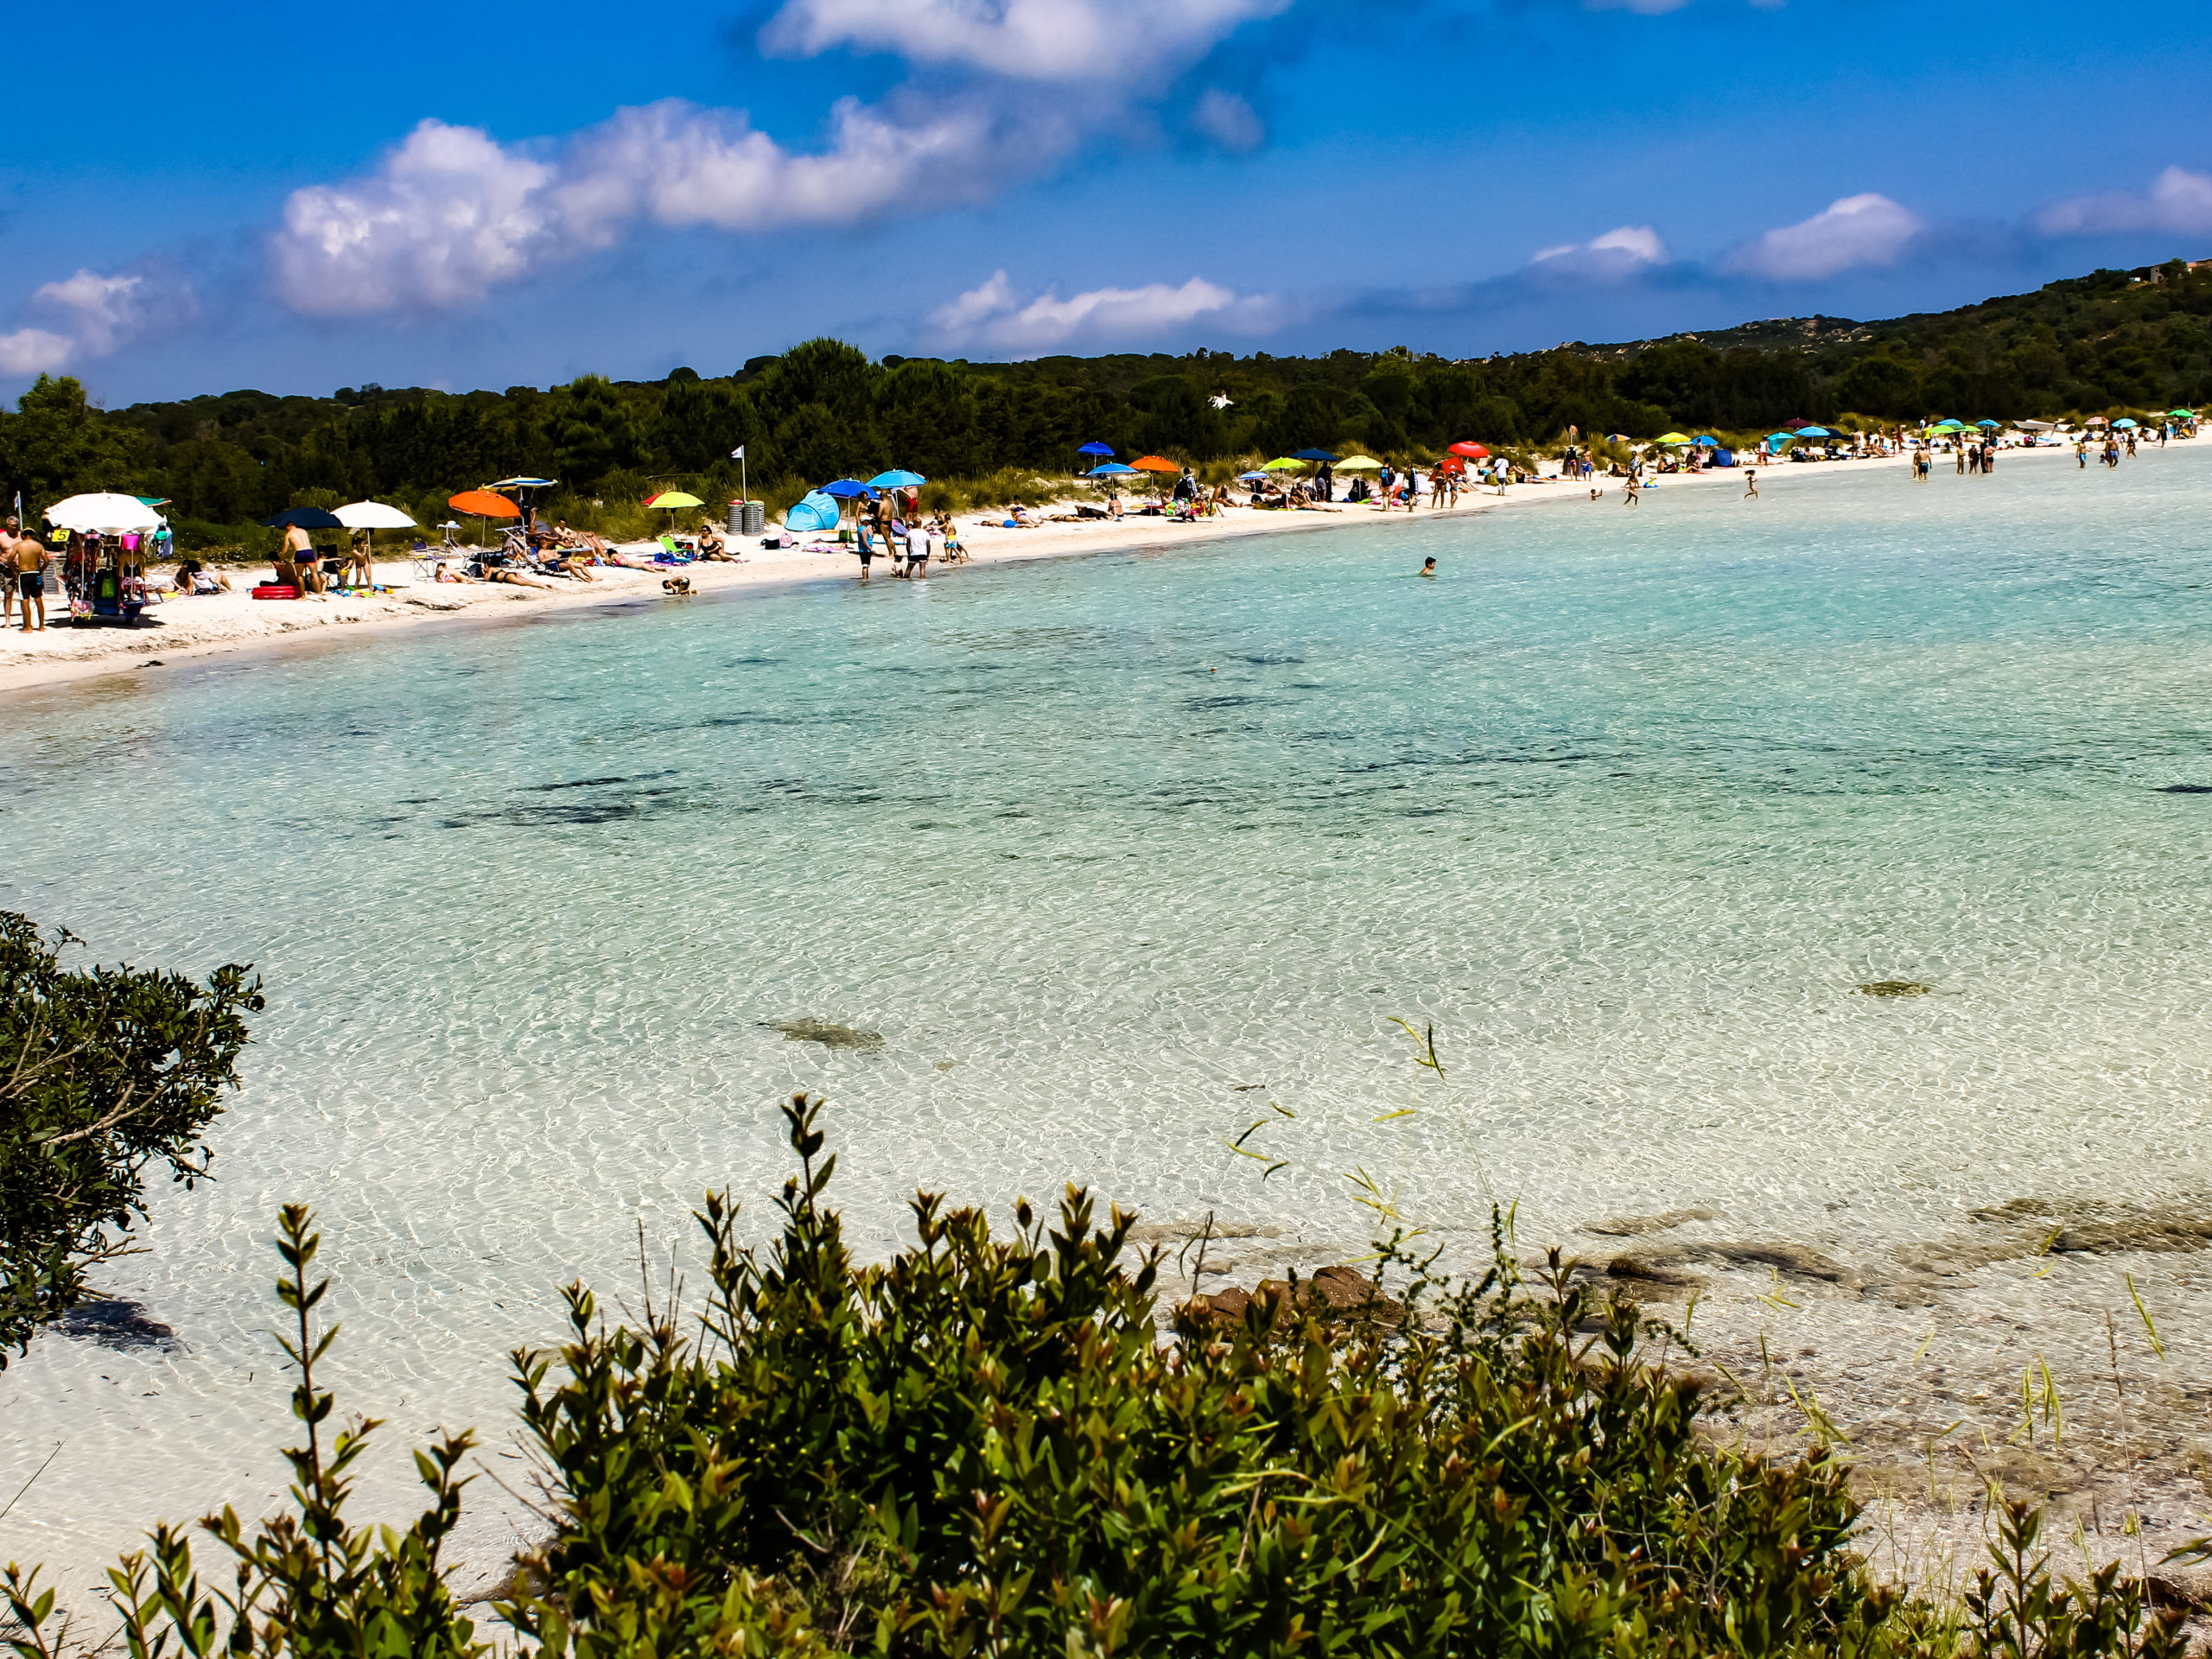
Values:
[(847, 488), (1248, 478), (897, 479), (2124, 421), (1312, 455), (1814, 432), (1111, 469), (1095, 448), (1706, 440)]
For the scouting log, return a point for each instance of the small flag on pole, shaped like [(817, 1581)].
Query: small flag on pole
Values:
[(738, 453)]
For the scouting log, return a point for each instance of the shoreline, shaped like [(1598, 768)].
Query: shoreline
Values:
[(195, 630)]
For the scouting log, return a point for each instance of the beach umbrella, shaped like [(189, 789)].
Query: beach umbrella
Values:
[(1155, 464), (1986, 426), (304, 518), (1365, 464), (1312, 455), (483, 503), (524, 484), (372, 515), (1253, 477), (1112, 469), (1813, 432), (1284, 464), (1095, 448), (897, 479), (102, 511), (1468, 447), (1706, 440), (672, 502), (847, 489), (2180, 414), (2123, 421), (1670, 438)]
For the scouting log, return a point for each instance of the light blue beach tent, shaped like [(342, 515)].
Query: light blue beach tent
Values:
[(814, 511)]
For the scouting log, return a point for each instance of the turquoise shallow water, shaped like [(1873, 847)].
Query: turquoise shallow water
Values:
[(1625, 804)]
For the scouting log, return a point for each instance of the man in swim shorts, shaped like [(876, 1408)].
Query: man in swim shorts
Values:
[(27, 561), (865, 531)]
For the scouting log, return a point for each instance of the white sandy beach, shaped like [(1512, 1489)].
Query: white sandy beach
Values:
[(184, 629)]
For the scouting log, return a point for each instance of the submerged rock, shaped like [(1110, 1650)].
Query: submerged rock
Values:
[(112, 1322), (1896, 988), (1332, 1292), (822, 1032), (1665, 1220)]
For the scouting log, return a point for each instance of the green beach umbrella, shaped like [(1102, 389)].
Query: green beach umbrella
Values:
[(1285, 464), (1671, 437)]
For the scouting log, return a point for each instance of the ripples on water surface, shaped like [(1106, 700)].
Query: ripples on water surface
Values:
[(1626, 804)]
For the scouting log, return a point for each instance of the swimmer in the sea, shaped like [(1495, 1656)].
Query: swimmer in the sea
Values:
[(1428, 567)]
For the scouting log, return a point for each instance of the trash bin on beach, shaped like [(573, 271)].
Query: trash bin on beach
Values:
[(749, 518)]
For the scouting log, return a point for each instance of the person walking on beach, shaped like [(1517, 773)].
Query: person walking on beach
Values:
[(864, 530), (1413, 489), (1635, 489)]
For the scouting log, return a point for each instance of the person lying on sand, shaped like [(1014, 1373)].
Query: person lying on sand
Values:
[(512, 578)]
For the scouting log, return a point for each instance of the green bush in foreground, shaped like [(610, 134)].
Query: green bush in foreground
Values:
[(103, 1072), (980, 1448)]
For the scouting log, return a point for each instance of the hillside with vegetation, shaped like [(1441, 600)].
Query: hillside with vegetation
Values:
[(2112, 341)]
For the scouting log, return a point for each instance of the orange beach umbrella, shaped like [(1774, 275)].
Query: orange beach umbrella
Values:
[(483, 504), (1155, 464)]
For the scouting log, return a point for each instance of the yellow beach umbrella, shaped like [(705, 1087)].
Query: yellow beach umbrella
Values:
[(1672, 437), (1360, 464)]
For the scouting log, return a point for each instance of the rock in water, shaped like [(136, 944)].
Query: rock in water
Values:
[(1896, 988), (822, 1032), (114, 1323)]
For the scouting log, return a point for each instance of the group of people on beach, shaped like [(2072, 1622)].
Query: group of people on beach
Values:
[(892, 524)]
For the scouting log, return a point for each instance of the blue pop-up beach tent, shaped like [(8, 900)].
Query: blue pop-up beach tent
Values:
[(814, 511)]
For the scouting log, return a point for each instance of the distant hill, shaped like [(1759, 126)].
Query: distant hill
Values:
[(2136, 340)]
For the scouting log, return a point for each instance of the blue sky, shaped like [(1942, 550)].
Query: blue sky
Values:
[(464, 195)]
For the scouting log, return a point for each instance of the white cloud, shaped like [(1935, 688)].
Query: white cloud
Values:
[(91, 315), (450, 213), (103, 311), (1109, 41), (1228, 120), (1863, 229), (993, 316), (1618, 253), (2181, 202), (34, 351)]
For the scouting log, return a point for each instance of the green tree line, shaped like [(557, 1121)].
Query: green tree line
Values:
[(2138, 340)]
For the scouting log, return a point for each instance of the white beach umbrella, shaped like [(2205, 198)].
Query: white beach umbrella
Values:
[(103, 512), (372, 515)]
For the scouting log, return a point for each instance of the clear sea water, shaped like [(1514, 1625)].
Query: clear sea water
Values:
[(1112, 851)]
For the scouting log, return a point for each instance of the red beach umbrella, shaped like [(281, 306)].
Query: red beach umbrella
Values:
[(1472, 451)]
